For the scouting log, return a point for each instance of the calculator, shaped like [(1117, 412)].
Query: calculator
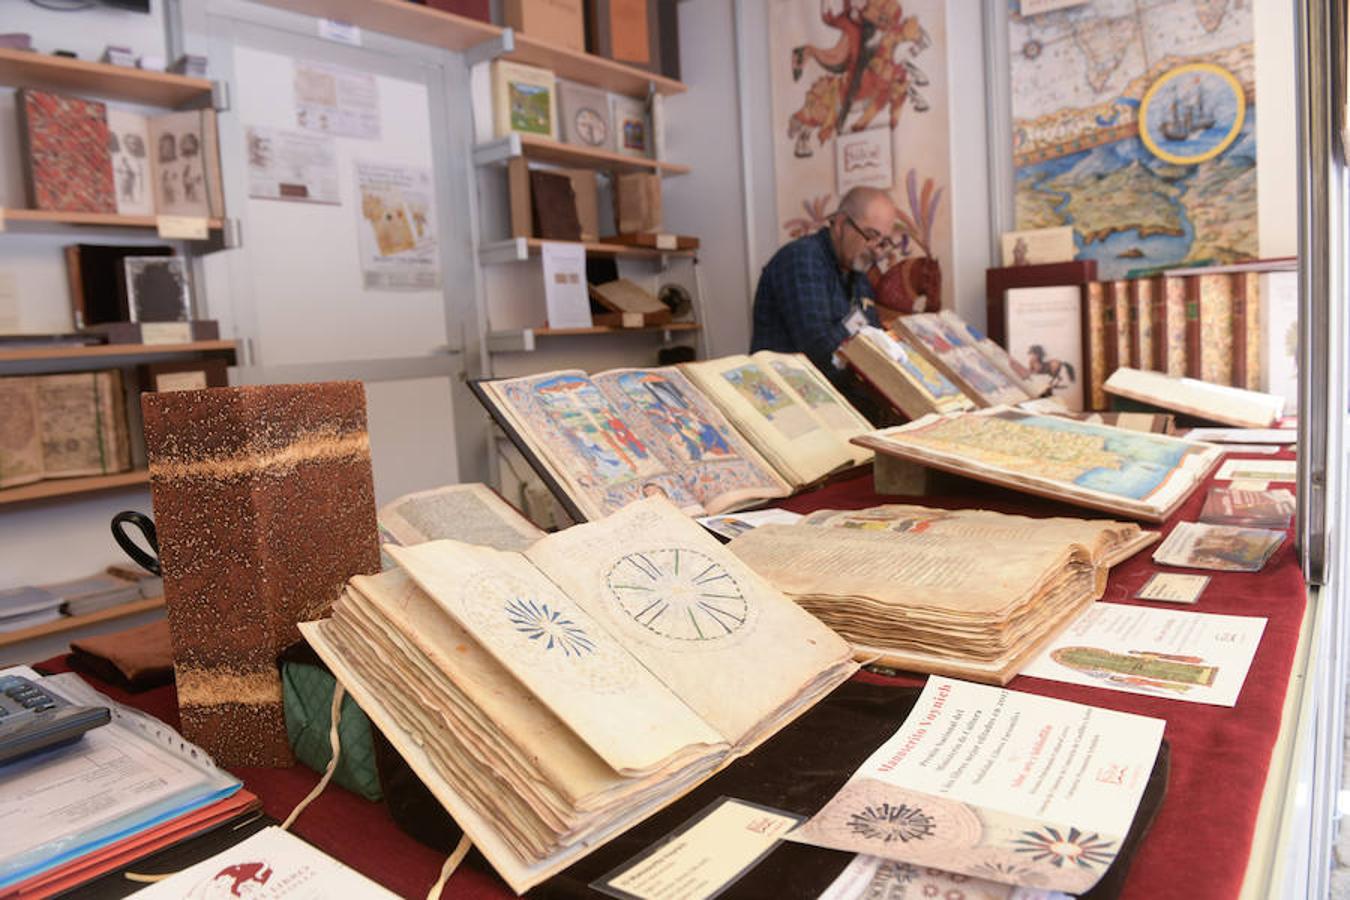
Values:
[(33, 718)]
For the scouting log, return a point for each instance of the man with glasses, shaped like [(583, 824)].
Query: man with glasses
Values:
[(814, 293)]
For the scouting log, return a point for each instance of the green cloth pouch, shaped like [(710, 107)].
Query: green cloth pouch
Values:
[(308, 694)]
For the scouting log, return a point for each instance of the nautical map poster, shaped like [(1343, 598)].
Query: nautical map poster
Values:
[(878, 68), (1134, 121)]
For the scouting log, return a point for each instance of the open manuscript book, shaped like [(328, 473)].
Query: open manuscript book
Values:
[(551, 699), (712, 437), (911, 586)]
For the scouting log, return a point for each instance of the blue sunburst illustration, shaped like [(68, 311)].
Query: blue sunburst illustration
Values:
[(1077, 847), (888, 823), (539, 623)]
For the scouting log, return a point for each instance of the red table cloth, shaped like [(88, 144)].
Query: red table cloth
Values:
[(1198, 846)]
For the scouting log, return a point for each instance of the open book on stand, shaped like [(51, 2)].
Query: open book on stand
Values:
[(712, 436), (551, 699), (905, 378), (1143, 476), (1220, 403)]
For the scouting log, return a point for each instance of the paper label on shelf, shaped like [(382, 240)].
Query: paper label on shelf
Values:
[(667, 242), (634, 320), (340, 32), (188, 228), (166, 332)]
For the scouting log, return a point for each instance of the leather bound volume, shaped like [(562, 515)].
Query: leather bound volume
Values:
[(97, 280), (473, 9), (560, 22), (555, 206), (1191, 291), (637, 202), (1214, 327), (1170, 312), (265, 506), (65, 148), (586, 192), (622, 30), (1247, 330)]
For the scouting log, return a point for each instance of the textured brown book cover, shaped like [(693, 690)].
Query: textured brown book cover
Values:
[(1141, 312), (637, 202), (1169, 311), (1215, 313), (1096, 345), (265, 506), (559, 22), (1111, 327), (1247, 367), (555, 206), (1124, 336), (1191, 291), (65, 142)]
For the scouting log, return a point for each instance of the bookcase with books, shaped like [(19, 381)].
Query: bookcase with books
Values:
[(68, 402)]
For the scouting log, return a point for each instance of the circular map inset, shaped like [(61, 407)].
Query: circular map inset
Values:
[(1192, 113)]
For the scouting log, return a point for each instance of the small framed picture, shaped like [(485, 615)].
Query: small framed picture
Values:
[(193, 375), (157, 288)]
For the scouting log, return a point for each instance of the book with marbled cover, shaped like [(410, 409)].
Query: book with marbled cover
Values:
[(65, 141)]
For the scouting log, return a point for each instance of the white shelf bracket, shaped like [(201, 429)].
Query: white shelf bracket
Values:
[(511, 341), (220, 96), (511, 250), (489, 50), (498, 152)]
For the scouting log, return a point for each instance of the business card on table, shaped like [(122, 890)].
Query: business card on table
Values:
[(1173, 587), (703, 856), (1257, 470)]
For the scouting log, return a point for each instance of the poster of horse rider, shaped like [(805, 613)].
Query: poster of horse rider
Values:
[(870, 75), (1045, 334)]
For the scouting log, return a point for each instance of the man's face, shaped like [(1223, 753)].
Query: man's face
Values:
[(864, 237)]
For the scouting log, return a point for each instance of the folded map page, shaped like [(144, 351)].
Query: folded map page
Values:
[(1192, 656), (994, 784), (1144, 476)]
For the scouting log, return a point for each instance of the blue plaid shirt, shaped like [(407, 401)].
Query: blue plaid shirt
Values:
[(803, 298)]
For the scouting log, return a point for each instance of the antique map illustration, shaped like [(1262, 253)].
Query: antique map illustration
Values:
[(1123, 463), (1134, 121)]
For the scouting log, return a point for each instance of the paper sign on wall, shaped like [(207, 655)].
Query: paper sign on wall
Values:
[(336, 100), (397, 227), (292, 165), (863, 159)]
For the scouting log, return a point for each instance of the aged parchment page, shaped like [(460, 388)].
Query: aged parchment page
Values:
[(21, 438), (780, 426), (801, 376), (472, 513), (727, 643), (569, 660)]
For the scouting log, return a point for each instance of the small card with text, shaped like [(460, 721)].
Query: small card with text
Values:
[(1173, 587)]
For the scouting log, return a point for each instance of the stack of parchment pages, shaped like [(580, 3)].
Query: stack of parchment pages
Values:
[(968, 593), (551, 698)]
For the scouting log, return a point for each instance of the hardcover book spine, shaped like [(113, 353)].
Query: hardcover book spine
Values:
[(1174, 332), (265, 506), (1247, 361), (1096, 338), (1216, 328), (1111, 326), (1132, 311), (1192, 295)]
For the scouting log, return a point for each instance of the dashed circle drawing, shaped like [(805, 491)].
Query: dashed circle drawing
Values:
[(679, 594)]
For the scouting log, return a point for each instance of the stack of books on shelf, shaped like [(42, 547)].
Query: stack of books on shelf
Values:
[(710, 436), (909, 586), (85, 156)]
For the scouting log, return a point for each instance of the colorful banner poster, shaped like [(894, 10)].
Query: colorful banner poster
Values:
[(1136, 124), (860, 97)]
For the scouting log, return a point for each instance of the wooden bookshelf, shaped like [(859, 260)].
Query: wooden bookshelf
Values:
[(104, 351), (598, 329), (72, 217), (520, 249), (25, 68), (543, 149), (71, 623), (66, 487), (412, 22)]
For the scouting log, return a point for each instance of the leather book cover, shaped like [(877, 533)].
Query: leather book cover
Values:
[(555, 206), (586, 192), (1171, 299), (621, 30), (1247, 330), (637, 202), (1096, 336), (1110, 328), (97, 282), (265, 506), (65, 147), (473, 9), (1191, 292), (561, 23), (1216, 317)]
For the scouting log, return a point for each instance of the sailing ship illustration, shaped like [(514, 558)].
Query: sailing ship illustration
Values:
[(1189, 119)]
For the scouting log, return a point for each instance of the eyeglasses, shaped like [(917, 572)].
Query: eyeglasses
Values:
[(870, 235)]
